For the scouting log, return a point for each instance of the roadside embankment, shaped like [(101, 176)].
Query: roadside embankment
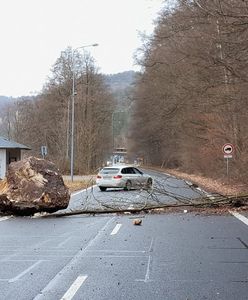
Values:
[(79, 182), (221, 186)]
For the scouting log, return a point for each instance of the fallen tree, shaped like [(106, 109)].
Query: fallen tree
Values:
[(153, 200), (218, 202)]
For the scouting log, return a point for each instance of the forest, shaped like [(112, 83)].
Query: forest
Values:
[(187, 101), (191, 96)]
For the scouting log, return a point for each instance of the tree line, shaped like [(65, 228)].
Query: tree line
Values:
[(46, 119), (189, 99), (191, 96)]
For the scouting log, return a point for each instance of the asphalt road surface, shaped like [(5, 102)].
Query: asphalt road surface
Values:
[(176, 256), (167, 190), (170, 256)]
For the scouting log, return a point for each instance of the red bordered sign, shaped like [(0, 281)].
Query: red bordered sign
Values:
[(228, 149)]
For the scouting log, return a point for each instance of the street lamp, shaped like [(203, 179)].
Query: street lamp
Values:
[(73, 106)]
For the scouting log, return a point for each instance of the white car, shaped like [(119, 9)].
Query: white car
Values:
[(124, 176)]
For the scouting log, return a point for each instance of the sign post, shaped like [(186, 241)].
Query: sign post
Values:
[(43, 150), (227, 150)]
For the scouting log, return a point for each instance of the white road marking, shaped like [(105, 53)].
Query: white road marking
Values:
[(5, 218), (147, 276), (25, 271), (39, 244), (151, 244), (64, 242), (240, 217), (74, 288), (118, 256), (188, 182), (116, 229), (47, 257), (169, 175), (48, 249), (29, 260), (67, 268), (118, 251), (6, 258), (210, 196), (81, 191)]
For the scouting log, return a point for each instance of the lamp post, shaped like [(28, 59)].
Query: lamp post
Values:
[(73, 106)]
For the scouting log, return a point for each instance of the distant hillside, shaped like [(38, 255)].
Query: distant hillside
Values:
[(4, 101), (8, 100), (120, 81), (121, 85)]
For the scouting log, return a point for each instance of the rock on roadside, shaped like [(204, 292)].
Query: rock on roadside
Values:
[(33, 185)]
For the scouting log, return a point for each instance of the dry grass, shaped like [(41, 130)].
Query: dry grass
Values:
[(78, 184), (219, 186)]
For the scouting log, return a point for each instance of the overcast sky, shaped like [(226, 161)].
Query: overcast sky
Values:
[(34, 32)]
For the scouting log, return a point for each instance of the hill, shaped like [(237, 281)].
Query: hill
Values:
[(120, 81), (4, 101), (121, 85)]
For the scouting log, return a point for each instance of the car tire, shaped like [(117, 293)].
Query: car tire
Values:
[(128, 186), (149, 183), (102, 188)]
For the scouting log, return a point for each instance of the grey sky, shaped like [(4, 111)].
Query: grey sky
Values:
[(34, 32)]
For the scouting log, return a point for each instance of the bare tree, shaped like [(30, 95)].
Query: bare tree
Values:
[(191, 96), (47, 119)]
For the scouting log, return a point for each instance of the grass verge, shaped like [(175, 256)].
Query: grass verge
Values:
[(79, 184)]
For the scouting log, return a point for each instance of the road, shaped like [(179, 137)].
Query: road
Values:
[(167, 190), (170, 256)]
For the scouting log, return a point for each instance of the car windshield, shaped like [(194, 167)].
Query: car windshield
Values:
[(109, 171)]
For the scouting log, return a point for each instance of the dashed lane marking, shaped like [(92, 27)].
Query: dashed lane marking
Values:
[(118, 251), (240, 217), (74, 288), (116, 229), (25, 272), (57, 279), (116, 256), (64, 242)]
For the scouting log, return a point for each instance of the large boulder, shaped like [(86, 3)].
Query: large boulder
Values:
[(33, 185)]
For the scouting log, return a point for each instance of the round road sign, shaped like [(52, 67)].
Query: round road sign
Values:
[(228, 148)]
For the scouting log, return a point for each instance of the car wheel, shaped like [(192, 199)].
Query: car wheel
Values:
[(102, 188), (149, 183), (128, 186)]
